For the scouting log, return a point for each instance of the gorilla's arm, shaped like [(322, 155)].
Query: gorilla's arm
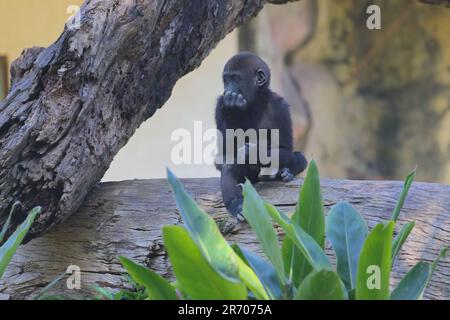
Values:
[(290, 163), (230, 179)]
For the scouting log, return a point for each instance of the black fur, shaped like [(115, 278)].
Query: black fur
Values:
[(252, 106)]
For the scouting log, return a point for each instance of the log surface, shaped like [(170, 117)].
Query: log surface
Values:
[(125, 218)]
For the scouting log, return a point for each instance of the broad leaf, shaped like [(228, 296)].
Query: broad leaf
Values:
[(214, 248), (407, 184), (264, 270), (374, 266), (248, 276), (193, 272), (309, 215), (156, 286), (401, 238), (313, 253), (255, 212), (347, 231), (205, 232), (8, 249), (321, 285), (413, 284)]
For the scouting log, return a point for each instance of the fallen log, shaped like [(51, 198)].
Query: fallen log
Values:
[(125, 218)]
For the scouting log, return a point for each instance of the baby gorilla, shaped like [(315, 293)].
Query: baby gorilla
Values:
[(248, 103)]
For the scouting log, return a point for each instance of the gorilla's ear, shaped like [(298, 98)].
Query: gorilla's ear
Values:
[(261, 78)]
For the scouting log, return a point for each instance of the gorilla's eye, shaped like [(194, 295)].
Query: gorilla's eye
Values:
[(235, 78), (225, 80)]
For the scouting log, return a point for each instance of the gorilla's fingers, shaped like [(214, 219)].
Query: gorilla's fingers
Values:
[(240, 217), (226, 98), (238, 213), (286, 175), (240, 101), (233, 99)]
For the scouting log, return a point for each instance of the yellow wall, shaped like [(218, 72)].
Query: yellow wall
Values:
[(28, 23)]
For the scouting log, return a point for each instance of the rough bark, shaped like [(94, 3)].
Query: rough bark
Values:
[(125, 218), (73, 105)]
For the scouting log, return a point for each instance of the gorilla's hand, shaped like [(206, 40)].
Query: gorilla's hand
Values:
[(236, 209), (233, 99), (286, 175)]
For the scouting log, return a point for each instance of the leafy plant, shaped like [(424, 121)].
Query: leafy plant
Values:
[(207, 267), (137, 292), (10, 246)]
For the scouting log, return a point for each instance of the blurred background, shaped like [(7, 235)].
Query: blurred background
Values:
[(366, 104)]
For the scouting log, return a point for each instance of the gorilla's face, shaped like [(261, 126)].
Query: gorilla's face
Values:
[(239, 88), (243, 77)]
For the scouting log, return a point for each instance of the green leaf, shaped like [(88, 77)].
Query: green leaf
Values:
[(248, 276), (49, 286), (321, 285), (407, 184), (374, 266), (157, 287), (313, 253), (309, 215), (194, 274), (347, 231), (104, 293), (351, 294), (8, 249), (413, 284), (264, 270), (401, 238), (8, 220), (255, 212), (204, 231), (441, 255), (291, 256)]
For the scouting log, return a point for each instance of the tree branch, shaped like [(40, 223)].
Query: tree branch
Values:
[(75, 104)]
